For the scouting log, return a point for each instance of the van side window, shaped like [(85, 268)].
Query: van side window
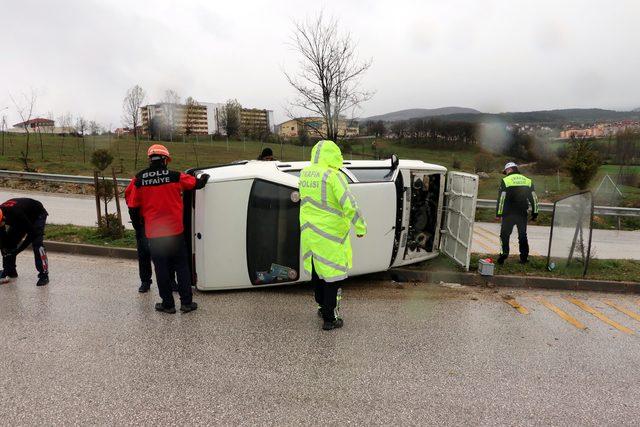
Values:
[(273, 233)]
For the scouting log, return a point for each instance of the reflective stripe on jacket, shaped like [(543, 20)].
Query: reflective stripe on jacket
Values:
[(515, 193), (327, 212)]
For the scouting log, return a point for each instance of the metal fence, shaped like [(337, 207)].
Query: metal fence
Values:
[(52, 177), (548, 207), (481, 204)]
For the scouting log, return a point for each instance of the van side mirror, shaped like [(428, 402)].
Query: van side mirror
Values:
[(395, 161)]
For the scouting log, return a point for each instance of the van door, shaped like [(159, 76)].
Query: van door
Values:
[(461, 193), (377, 202)]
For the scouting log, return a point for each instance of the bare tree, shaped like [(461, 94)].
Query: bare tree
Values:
[(25, 111), (94, 129), (172, 101), (230, 118), (328, 81), (131, 106), (65, 121), (3, 129), (81, 129)]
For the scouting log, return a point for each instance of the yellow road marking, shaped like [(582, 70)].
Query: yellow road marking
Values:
[(515, 304), (494, 238), (486, 247), (599, 315), (621, 309), (487, 231), (490, 237), (566, 316)]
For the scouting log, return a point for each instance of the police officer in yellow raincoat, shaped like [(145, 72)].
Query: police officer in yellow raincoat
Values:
[(328, 211)]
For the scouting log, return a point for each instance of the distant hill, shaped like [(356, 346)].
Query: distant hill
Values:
[(415, 113), (568, 115)]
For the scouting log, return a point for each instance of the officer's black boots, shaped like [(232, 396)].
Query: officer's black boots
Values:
[(163, 309), (327, 326), (186, 308), (43, 281), (144, 287), (502, 259)]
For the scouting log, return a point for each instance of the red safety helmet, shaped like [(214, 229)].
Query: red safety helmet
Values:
[(158, 150)]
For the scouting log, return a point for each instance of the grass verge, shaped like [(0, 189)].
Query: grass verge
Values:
[(599, 269), (87, 235)]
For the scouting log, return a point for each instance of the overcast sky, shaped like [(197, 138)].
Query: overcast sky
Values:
[(82, 55)]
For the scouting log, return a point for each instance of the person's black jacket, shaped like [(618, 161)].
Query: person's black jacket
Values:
[(20, 214)]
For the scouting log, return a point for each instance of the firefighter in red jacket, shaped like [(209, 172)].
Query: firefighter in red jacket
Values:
[(157, 192)]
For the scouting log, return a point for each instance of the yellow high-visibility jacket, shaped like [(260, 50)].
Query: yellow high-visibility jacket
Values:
[(327, 212)]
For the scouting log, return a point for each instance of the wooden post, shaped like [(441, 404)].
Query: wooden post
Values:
[(116, 195), (96, 184)]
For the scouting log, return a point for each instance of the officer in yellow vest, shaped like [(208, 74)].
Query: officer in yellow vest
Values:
[(327, 212), (515, 194)]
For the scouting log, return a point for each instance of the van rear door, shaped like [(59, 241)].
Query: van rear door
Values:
[(461, 193)]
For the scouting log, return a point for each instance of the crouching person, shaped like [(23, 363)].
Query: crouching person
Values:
[(157, 192), (327, 212), (22, 222)]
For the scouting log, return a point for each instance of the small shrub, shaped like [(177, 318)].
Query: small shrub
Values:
[(484, 162), (110, 227), (546, 164), (101, 159), (582, 162)]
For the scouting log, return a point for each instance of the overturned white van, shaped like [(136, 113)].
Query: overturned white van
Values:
[(243, 227)]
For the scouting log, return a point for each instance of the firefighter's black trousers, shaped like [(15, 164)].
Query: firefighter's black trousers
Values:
[(508, 222), (326, 295), (144, 255), (12, 239), (169, 254)]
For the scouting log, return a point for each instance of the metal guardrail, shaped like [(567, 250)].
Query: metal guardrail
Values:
[(481, 204), (52, 177), (548, 207)]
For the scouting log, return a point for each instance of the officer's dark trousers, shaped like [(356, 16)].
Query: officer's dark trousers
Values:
[(144, 255), (326, 295), (12, 239), (508, 222), (170, 254)]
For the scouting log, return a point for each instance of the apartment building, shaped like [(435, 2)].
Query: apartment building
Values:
[(255, 122), (203, 118), (194, 119), (315, 127)]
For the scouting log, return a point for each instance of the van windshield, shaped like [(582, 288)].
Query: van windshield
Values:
[(273, 233), (372, 174)]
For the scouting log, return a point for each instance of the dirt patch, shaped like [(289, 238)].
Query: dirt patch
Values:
[(46, 186)]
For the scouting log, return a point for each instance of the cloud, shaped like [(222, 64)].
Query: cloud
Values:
[(82, 55)]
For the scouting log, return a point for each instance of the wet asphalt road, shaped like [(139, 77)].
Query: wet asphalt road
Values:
[(88, 349)]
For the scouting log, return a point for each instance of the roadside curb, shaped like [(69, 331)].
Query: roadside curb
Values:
[(473, 279), (93, 250)]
